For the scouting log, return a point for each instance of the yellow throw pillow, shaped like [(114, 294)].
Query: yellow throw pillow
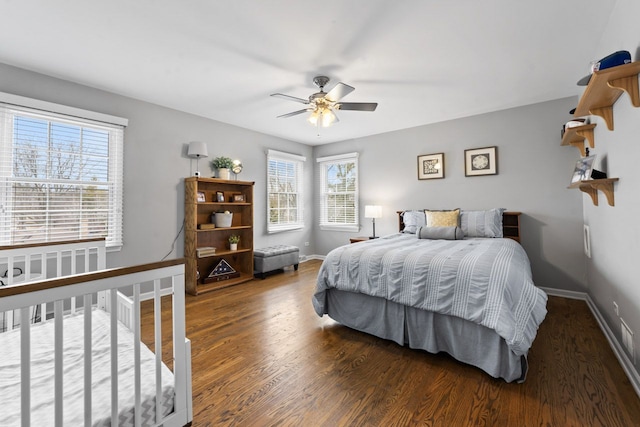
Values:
[(443, 218)]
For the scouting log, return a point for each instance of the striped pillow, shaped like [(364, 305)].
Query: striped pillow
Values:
[(412, 221), (482, 223)]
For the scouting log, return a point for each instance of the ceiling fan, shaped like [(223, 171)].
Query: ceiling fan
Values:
[(323, 105)]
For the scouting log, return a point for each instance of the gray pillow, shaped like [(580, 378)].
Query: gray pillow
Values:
[(440, 233), (413, 220), (482, 223)]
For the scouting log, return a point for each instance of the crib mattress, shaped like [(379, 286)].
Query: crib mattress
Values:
[(42, 380)]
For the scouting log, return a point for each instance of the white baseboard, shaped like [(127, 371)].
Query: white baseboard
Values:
[(621, 355), (304, 258)]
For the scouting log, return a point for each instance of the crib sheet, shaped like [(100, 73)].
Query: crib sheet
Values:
[(42, 380)]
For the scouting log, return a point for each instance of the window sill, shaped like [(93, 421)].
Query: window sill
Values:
[(283, 229), (345, 228)]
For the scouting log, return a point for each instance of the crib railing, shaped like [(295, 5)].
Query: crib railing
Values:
[(26, 263), (85, 286)]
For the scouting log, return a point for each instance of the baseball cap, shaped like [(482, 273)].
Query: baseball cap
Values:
[(620, 57)]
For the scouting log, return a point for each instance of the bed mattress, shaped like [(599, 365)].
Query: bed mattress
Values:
[(42, 380)]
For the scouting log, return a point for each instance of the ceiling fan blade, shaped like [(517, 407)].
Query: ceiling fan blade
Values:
[(290, 98), (338, 92), (295, 113), (357, 106)]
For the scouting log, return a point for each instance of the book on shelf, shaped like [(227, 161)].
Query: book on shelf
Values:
[(205, 251), (206, 226)]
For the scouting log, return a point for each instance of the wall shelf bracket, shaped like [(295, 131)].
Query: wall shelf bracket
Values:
[(592, 186)]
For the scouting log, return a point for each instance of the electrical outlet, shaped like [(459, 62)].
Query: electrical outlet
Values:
[(615, 308), (587, 240), (306, 243)]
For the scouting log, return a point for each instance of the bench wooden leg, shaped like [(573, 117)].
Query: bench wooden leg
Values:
[(295, 267)]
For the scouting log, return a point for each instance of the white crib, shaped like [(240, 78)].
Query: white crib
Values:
[(79, 362)]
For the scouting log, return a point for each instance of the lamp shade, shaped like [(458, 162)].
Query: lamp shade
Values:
[(373, 211), (197, 149)]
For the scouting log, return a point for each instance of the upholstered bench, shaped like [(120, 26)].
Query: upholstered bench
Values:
[(274, 258)]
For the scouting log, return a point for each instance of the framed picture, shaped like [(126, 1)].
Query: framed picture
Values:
[(481, 161), (201, 196), (219, 196), (238, 197), (583, 169), (431, 166)]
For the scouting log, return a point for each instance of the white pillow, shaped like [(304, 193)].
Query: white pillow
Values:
[(482, 223), (413, 220)]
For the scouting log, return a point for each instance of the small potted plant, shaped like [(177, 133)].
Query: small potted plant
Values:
[(233, 242), (224, 165)]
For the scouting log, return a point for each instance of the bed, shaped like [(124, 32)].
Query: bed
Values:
[(72, 348), (460, 288)]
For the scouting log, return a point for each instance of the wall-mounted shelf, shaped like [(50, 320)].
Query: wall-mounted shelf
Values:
[(604, 89), (592, 186), (576, 136)]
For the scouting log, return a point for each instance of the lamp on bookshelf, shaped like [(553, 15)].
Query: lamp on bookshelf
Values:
[(196, 150)]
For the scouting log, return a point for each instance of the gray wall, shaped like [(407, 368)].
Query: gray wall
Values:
[(615, 236), (156, 163), (533, 173)]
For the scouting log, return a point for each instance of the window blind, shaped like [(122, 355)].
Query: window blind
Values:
[(339, 205), (284, 191), (61, 176)]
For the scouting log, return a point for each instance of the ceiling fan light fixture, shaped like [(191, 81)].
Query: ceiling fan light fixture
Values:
[(328, 118), (323, 116), (313, 117)]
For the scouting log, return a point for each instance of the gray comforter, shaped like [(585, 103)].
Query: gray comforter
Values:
[(485, 281)]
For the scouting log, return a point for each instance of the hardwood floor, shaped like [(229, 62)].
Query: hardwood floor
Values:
[(262, 357)]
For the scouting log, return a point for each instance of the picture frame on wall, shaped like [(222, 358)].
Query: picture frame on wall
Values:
[(583, 169), (431, 166), (481, 161)]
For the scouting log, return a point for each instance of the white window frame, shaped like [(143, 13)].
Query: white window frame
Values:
[(324, 164), (14, 105), (297, 162)]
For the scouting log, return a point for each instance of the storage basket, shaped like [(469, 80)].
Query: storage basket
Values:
[(223, 219)]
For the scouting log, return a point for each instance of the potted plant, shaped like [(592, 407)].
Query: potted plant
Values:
[(223, 164), (233, 242)]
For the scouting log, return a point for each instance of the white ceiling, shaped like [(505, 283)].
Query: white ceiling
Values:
[(423, 61)]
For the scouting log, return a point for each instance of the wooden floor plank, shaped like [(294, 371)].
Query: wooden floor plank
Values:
[(262, 357)]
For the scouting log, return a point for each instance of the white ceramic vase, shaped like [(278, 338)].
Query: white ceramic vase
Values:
[(233, 246), (224, 173)]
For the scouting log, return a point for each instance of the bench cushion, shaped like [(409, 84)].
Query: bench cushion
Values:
[(275, 258), (274, 250)]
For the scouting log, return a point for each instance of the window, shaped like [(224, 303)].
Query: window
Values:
[(339, 192), (284, 191), (60, 173)]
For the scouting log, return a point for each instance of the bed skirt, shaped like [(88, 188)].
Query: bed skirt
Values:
[(465, 341)]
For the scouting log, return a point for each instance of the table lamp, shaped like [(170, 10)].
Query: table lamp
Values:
[(373, 212)]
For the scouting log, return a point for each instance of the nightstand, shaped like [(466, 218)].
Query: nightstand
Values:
[(358, 239)]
